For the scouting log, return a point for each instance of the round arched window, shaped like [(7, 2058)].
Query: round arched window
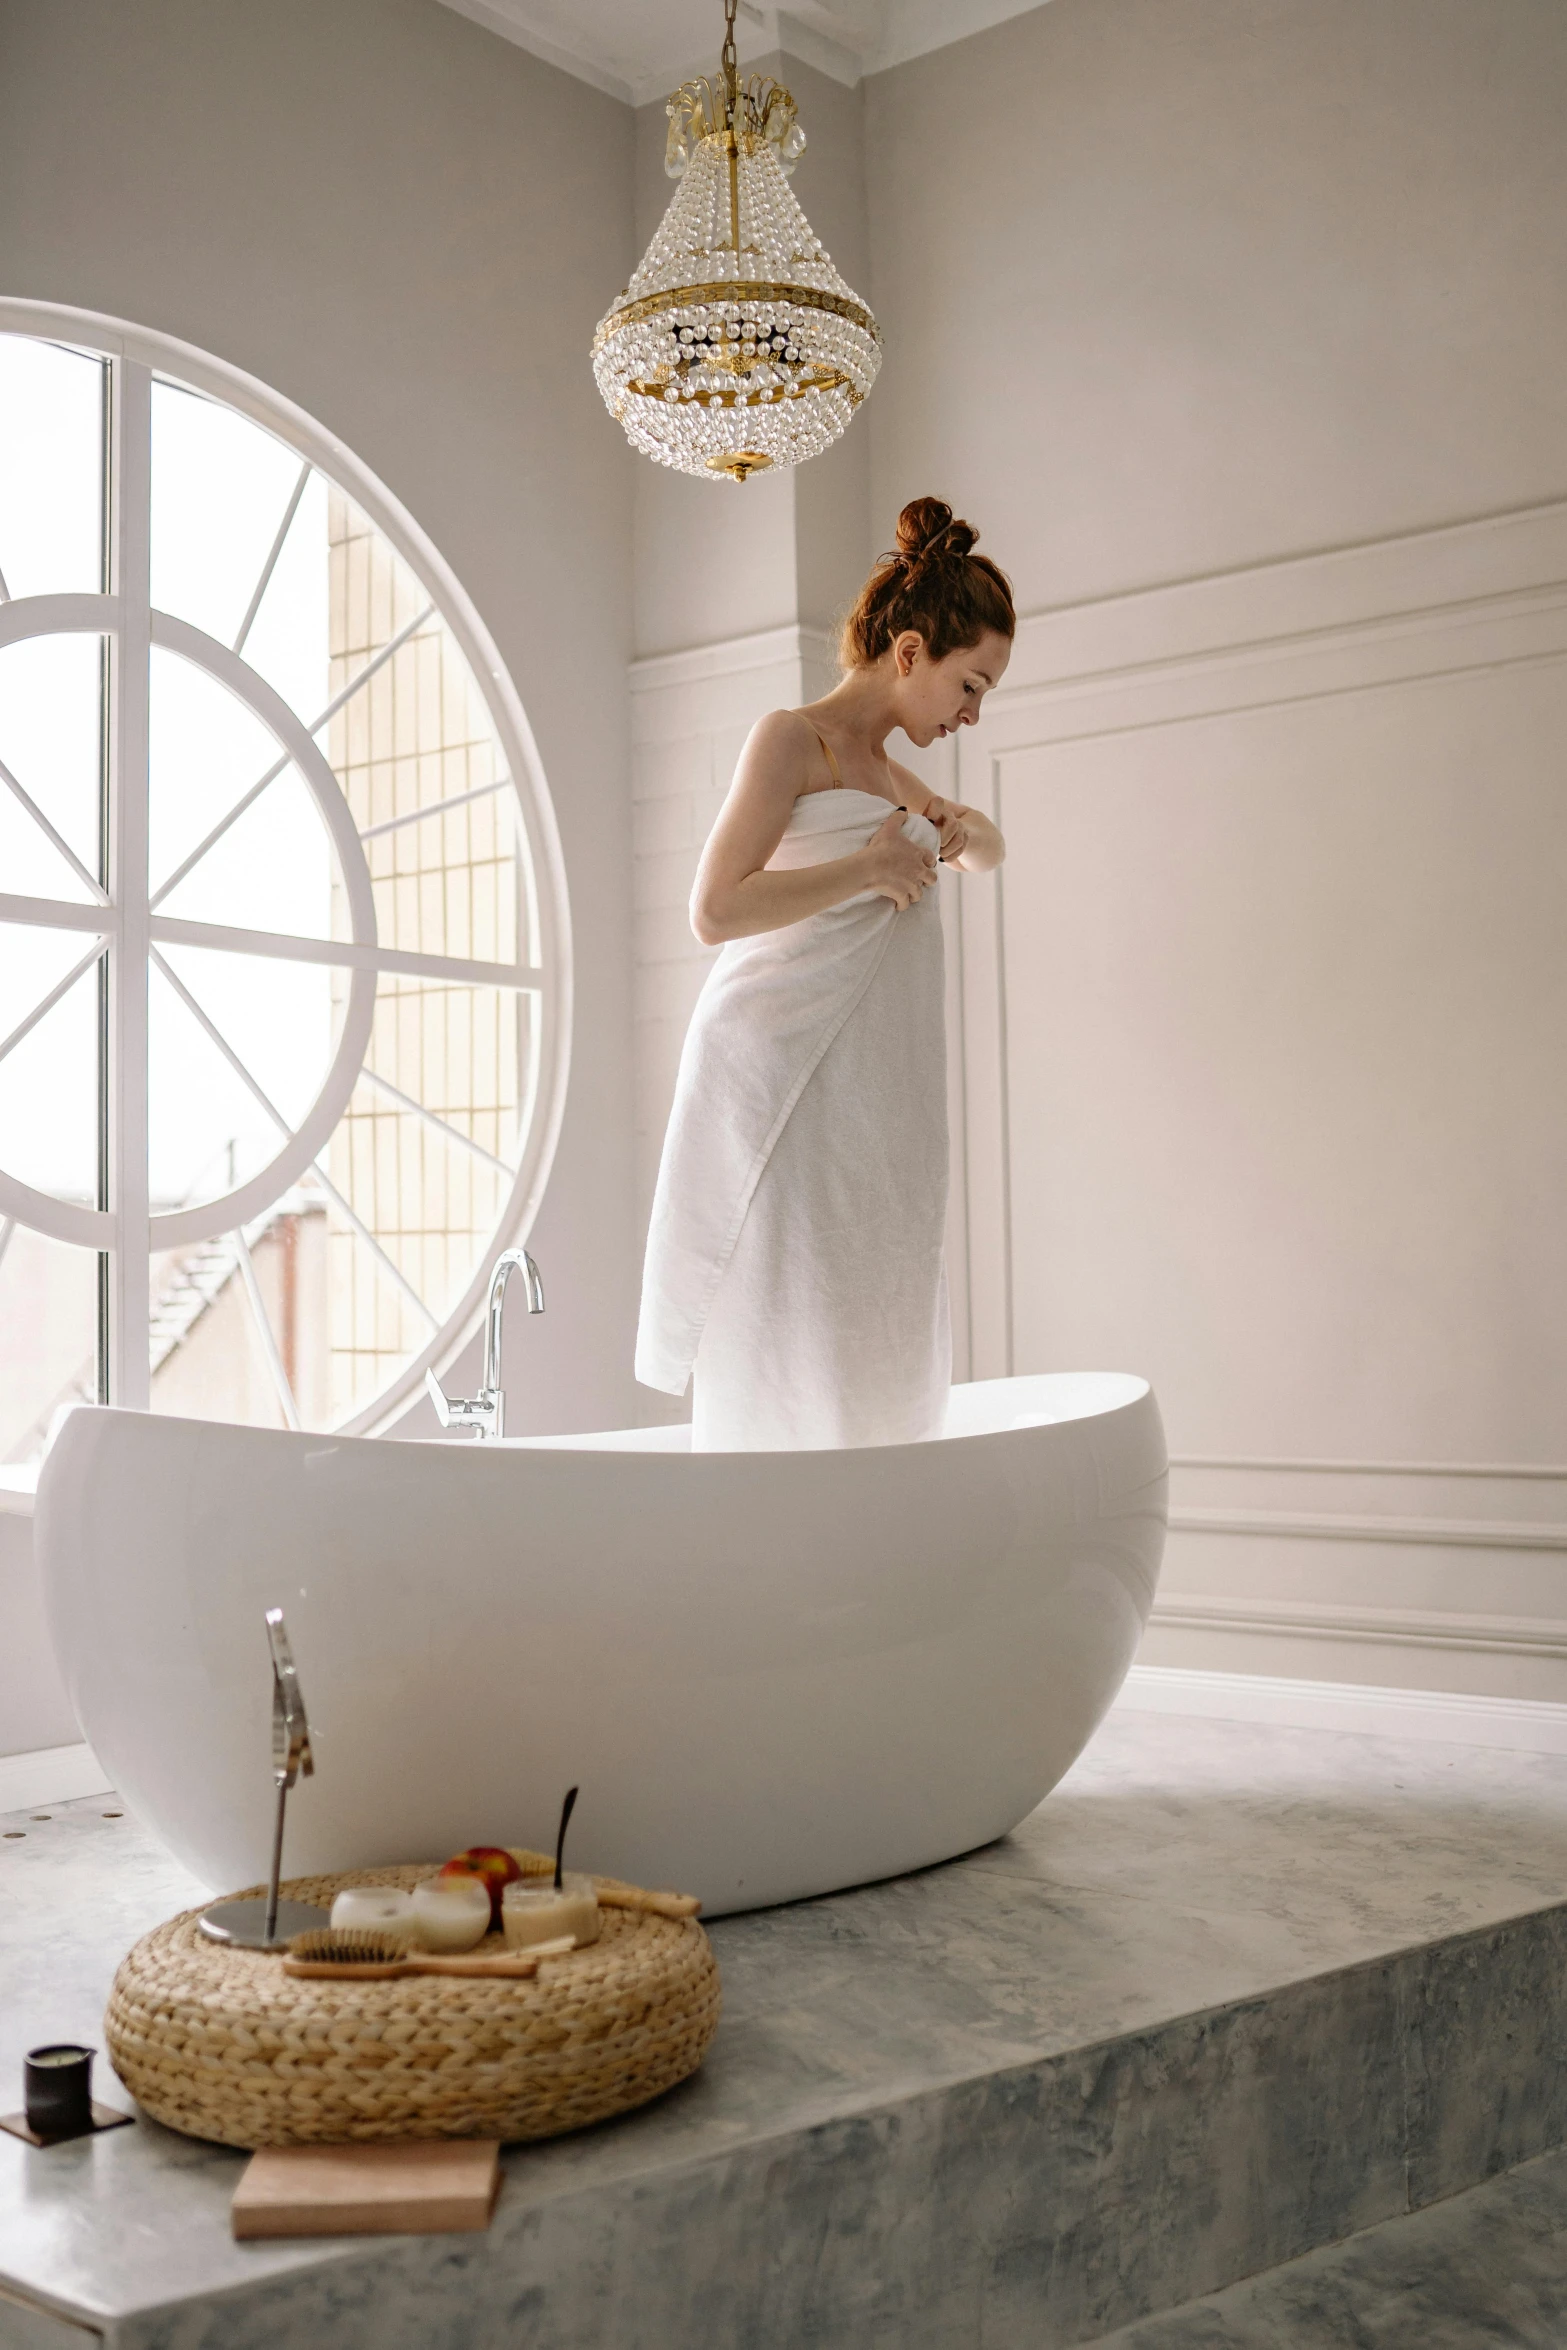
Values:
[(283, 939)]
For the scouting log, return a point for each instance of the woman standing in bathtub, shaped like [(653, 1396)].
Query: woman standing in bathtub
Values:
[(794, 1258)]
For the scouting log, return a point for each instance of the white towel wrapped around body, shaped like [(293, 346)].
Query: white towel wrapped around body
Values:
[(795, 1253)]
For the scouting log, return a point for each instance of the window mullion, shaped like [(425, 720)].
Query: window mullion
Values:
[(105, 1261), (130, 675)]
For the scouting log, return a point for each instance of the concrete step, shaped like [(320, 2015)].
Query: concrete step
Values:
[(1484, 2268), (1232, 1994)]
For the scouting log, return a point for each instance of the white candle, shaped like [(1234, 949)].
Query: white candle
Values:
[(450, 1913), (386, 1908), (532, 1911)]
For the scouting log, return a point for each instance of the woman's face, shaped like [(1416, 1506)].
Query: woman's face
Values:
[(935, 698)]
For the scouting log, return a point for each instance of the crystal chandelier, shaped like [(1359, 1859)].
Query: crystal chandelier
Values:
[(736, 346)]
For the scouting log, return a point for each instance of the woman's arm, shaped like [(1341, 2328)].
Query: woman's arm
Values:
[(735, 898), (968, 840)]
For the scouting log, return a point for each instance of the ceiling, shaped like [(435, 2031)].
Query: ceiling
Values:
[(638, 50)]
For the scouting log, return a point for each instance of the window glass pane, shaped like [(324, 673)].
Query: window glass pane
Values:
[(221, 488), (272, 869), (50, 745), (208, 1356), (49, 1314), (287, 644), (372, 1327), (418, 733), (430, 1187), (51, 469), (207, 1131), (49, 1080)]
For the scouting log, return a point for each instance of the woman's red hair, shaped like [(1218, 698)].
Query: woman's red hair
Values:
[(934, 583)]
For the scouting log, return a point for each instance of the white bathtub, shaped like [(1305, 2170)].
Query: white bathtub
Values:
[(771, 1673)]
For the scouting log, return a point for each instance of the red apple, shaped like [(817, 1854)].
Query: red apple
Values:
[(493, 1865)]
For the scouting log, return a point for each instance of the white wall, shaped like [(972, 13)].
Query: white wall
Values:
[(1173, 286), (409, 227), (1214, 314)]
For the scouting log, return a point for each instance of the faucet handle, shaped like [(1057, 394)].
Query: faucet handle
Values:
[(460, 1411), (439, 1398)]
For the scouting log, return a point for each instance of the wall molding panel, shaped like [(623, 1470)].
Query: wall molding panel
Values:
[(1498, 1470), (1433, 605), (1417, 1571), (1390, 590), (1451, 1717), (50, 1774), (1474, 1535), (1382, 1627)]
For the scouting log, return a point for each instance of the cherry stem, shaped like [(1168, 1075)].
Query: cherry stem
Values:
[(560, 1841)]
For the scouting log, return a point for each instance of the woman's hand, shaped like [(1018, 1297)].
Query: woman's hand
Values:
[(968, 839), (949, 822), (897, 867)]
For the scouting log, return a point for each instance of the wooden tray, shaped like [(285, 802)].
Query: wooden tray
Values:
[(442, 2189)]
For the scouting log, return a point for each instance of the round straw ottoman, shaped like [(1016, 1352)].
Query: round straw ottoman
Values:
[(221, 2044)]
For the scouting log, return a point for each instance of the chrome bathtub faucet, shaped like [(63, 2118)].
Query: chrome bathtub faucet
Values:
[(485, 1413)]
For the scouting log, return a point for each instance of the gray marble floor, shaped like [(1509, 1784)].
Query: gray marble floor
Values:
[(1481, 2270), (1185, 1870)]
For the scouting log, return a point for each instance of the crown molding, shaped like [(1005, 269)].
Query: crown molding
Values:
[(612, 45), (514, 24)]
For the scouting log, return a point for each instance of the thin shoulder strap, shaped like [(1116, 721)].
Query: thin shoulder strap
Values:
[(832, 764)]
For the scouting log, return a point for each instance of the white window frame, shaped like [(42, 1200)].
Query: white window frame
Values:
[(124, 922)]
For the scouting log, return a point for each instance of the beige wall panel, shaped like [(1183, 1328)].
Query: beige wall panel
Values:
[(1285, 1000)]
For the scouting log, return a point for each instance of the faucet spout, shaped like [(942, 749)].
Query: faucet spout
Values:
[(485, 1413), (511, 1260)]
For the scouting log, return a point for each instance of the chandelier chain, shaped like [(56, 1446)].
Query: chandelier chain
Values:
[(730, 61)]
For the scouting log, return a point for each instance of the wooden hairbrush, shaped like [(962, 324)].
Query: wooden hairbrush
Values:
[(360, 1954)]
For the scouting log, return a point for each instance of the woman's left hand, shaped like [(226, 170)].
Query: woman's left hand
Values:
[(948, 821)]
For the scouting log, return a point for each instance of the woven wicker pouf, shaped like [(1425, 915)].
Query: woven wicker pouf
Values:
[(221, 2044)]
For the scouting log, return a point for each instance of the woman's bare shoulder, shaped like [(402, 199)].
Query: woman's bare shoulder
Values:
[(785, 731), (785, 748)]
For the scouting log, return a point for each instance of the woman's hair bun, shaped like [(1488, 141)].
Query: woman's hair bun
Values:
[(932, 582), (927, 527)]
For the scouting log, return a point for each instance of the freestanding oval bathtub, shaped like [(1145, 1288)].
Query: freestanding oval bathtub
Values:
[(772, 1674)]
